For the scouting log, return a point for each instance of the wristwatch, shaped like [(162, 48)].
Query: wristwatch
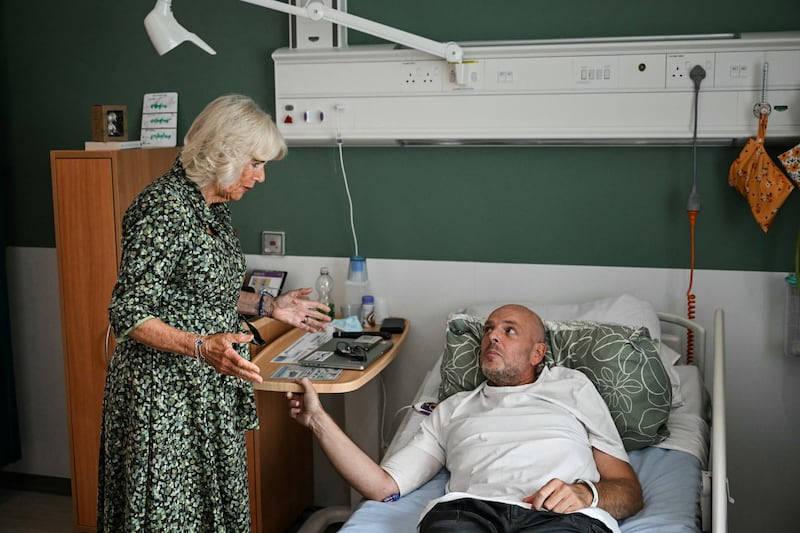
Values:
[(591, 486)]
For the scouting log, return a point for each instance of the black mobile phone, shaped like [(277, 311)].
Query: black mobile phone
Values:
[(393, 325)]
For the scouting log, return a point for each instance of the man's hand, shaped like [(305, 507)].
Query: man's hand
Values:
[(618, 489), (304, 406), (560, 497)]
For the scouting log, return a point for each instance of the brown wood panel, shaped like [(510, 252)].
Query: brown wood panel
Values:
[(282, 463), (270, 469), (253, 482), (136, 169), (86, 245)]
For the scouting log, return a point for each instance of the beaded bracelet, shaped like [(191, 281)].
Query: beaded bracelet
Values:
[(262, 311)]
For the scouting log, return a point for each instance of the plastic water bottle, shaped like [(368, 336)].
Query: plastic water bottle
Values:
[(356, 285), (367, 311), (324, 288)]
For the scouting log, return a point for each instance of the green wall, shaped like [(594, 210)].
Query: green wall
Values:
[(555, 205)]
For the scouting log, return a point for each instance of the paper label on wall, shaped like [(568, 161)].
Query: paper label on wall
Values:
[(159, 137), (159, 121), (160, 103)]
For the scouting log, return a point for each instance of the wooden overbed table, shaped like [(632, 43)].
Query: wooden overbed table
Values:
[(279, 336)]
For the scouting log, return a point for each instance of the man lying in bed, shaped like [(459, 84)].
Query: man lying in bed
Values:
[(533, 449)]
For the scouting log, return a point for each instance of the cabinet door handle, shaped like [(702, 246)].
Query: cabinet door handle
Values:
[(108, 335)]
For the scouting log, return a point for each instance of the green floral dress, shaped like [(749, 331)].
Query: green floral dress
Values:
[(172, 455)]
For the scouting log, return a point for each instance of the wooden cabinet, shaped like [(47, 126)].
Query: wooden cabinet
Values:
[(91, 191)]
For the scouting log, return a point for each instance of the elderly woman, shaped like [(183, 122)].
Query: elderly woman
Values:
[(178, 395)]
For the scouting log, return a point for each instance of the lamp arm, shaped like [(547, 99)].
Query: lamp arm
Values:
[(450, 51), (281, 6)]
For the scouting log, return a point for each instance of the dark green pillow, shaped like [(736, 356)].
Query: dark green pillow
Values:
[(622, 362)]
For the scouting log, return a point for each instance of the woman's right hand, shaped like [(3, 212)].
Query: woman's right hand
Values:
[(218, 351)]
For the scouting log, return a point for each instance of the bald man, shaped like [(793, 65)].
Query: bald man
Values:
[(532, 449)]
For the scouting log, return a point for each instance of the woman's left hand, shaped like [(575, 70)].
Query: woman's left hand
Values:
[(295, 309)]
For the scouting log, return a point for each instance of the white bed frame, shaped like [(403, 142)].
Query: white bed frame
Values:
[(714, 381)]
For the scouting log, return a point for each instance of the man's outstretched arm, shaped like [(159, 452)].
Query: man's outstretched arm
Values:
[(355, 466)]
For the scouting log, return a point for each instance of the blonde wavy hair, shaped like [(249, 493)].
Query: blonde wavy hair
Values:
[(227, 135)]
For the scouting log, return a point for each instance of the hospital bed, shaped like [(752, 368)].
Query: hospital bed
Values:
[(683, 477)]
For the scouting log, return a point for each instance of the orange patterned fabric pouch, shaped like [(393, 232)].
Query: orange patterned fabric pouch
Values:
[(790, 160), (759, 179)]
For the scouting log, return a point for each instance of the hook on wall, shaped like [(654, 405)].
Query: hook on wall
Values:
[(762, 107)]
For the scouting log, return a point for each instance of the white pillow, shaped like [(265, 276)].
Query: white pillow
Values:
[(626, 310), (669, 357)]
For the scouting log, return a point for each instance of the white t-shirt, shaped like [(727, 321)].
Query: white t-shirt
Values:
[(504, 443)]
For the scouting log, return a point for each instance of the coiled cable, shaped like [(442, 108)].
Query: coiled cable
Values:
[(697, 74)]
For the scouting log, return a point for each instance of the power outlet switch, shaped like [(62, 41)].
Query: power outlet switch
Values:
[(273, 243)]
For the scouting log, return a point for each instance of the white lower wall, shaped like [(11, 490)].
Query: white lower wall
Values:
[(38, 361), (763, 384)]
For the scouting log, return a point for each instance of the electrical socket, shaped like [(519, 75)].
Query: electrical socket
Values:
[(273, 243), (679, 66), (420, 75)]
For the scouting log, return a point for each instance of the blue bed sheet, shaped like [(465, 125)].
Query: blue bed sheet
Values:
[(671, 482)]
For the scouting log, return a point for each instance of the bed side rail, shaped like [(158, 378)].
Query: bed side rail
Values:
[(699, 338), (713, 372), (720, 494)]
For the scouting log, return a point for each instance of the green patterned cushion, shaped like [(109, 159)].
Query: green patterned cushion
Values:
[(621, 361), (624, 364), (461, 368)]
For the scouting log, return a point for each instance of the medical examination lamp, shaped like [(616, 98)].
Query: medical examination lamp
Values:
[(166, 33)]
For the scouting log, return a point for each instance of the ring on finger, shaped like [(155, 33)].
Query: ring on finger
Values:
[(305, 320)]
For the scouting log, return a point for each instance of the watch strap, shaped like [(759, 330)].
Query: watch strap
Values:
[(591, 486)]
